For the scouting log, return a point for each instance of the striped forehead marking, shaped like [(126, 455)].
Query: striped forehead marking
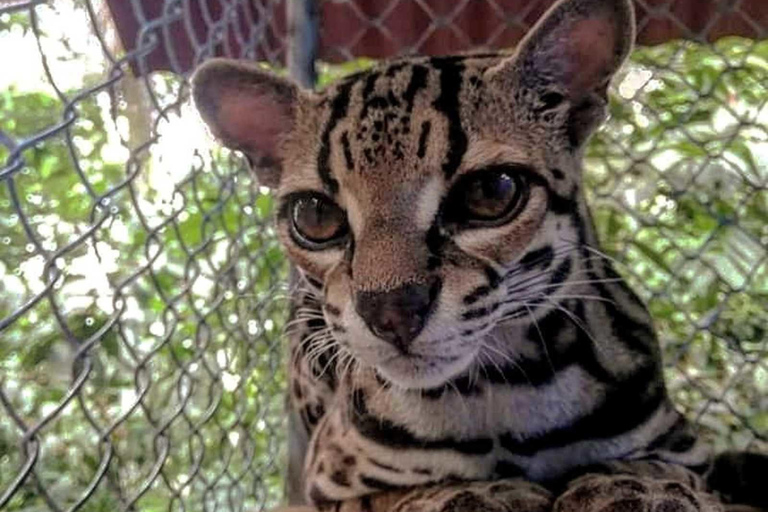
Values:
[(383, 132)]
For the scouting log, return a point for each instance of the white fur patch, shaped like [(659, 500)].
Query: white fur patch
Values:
[(524, 410), (429, 202)]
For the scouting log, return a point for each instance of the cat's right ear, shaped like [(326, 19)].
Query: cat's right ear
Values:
[(247, 109), (562, 68)]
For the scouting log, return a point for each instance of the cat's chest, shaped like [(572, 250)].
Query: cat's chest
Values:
[(483, 406), (372, 436)]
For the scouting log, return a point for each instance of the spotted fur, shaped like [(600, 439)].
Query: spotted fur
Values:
[(535, 363)]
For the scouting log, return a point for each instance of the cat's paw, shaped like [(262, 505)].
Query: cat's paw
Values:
[(622, 493), (502, 496)]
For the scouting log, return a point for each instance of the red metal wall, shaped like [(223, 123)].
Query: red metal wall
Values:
[(382, 28)]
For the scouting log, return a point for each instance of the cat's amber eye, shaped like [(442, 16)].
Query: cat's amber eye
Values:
[(317, 221), (488, 197)]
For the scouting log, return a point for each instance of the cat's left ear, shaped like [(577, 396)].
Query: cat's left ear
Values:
[(565, 63)]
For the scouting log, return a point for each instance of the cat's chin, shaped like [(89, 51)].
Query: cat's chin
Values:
[(420, 373)]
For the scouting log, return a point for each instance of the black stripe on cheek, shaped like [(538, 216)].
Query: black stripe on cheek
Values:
[(347, 151), (314, 282), (425, 128), (316, 324), (448, 104), (338, 110), (381, 465), (494, 280), (473, 314), (477, 294), (539, 258)]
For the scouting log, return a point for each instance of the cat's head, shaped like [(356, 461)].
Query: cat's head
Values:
[(423, 195)]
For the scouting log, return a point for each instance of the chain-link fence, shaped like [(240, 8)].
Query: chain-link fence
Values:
[(142, 297), (142, 291)]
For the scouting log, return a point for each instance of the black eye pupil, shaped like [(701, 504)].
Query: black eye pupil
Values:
[(490, 195), (314, 211), (492, 188)]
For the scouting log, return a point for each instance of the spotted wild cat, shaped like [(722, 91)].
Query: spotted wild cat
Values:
[(459, 340)]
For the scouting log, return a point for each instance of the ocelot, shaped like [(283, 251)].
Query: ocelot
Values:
[(459, 341)]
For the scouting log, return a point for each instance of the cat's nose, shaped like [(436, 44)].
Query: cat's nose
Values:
[(398, 315)]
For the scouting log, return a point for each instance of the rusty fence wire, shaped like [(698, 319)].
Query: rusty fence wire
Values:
[(142, 290)]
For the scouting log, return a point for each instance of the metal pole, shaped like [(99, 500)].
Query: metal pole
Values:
[(302, 41), (303, 38)]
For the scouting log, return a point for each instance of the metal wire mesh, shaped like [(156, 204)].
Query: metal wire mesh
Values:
[(141, 291), (141, 286)]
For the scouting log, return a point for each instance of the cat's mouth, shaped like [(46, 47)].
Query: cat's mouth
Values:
[(439, 353), (411, 370)]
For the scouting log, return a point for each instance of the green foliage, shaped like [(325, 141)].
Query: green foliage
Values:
[(678, 177), (330, 73), (168, 299)]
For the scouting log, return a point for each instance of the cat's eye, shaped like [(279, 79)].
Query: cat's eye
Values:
[(488, 197), (317, 221)]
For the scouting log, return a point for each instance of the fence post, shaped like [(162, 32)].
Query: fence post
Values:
[(302, 41), (302, 18)]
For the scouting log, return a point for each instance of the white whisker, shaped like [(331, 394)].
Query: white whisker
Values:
[(595, 298), (578, 323), (508, 358), (541, 337)]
